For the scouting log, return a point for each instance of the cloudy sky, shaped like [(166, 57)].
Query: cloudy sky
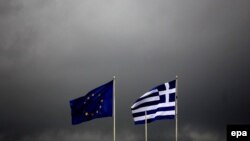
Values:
[(52, 51)]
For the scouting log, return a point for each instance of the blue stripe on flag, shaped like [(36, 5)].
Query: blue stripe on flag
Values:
[(154, 111), (161, 87), (162, 100), (156, 118)]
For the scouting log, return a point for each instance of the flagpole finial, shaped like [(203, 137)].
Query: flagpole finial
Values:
[(114, 77), (176, 76)]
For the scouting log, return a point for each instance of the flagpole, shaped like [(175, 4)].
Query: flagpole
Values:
[(176, 110), (114, 105), (146, 127)]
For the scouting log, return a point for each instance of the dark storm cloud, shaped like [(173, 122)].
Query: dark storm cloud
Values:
[(53, 51)]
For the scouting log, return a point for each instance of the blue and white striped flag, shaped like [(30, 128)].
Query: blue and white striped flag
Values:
[(158, 103)]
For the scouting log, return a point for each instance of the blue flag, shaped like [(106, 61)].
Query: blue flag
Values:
[(95, 104)]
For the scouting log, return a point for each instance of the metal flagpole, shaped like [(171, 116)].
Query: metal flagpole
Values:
[(146, 127), (114, 105), (176, 110)]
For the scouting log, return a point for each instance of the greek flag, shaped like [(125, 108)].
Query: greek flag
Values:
[(157, 104)]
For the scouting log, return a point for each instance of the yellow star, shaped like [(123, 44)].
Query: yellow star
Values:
[(102, 100), (97, 111), (86, 113), (88, 98), (100, 106), (92, 114), (93, 94)]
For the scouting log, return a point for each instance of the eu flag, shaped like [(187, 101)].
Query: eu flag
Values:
[(95, 104)]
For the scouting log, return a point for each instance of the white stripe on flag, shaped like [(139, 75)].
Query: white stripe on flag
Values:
[(155, 98), (150, 92), (151, 116), (153, 107)]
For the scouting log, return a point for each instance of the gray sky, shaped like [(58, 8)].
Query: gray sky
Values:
[(54, 50)]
